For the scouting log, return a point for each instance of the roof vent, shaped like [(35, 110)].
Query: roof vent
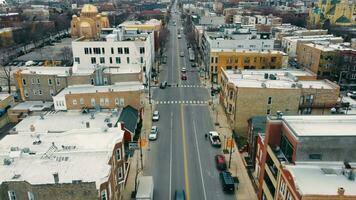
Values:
[(7, 161), (16, 176), (340, 191), (293, 85), (263, 85)]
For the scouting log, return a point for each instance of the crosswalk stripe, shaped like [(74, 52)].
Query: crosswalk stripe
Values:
[(180, 102), (194, 102)]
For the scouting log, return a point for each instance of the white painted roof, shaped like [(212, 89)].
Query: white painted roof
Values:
[(59, 71), (124, 69), (216, 50), (255, 79), (33, 105), (321, 125), (311, 180), (71, 119), (87, 162), (117, 87)]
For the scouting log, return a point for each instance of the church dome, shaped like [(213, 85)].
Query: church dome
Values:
[(88, 8)]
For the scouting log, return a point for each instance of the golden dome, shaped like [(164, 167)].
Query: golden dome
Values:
[(88, 8)]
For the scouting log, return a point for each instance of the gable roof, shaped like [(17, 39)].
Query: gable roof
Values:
[(129, 116)]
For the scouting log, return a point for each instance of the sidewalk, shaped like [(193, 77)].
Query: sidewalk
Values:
[(135, 162), (245, 190)]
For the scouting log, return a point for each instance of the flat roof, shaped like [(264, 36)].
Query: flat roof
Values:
[(322, 47), (321, 125), (71, 119), (312, 180), (4, 96), (234, 50), (284, 80), (59, 71), (312, 38), (79, 155), (124, 69), (33, 105), (117, 87)]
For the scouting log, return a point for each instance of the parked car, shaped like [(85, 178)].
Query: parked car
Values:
[(227, 182), (153, 133), (163, 85), (194, 64), (183, 70), (220, 162), (155, 116), (183, 76), (181, 54), (179, 195), (214, 139)]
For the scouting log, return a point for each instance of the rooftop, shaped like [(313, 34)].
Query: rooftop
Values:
[(117, 87), (312, 37), (77, 155), (59, 71), (321, 125), (281, 79), (4, 96), (306, 177), (33, 105), (216, 50), (72, 120)]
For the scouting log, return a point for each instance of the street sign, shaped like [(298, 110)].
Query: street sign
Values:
[(133, 145)]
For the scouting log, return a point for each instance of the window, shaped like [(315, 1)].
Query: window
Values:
[(101, 101), (104, 195), (126, 50), (120, 174), (49, 81), (32, 81), (51, 91), (93, 60), (77, 60), (39, 92), (92, 81), (118, 154), (216, 59), (92, 102), (103, 50), (12, 195), (112, 50), (141, 59), (24, 81), (119, 50), (269, 101), (38, 81), (142, 50), (121, 102), (105, 80), (286, 148), (26, 92), (74, 102), (128, 60), (34, 92), (58, 81), (90, 52), (212, 59), (81, 101), (86, 50), (118, 60), (110, 60), (309, 99), (30, 196), (107, 101), (289, 196), (282, 188), (268, 111), (102, 60), (97, 50)]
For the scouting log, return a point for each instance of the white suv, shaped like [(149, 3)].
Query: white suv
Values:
[(153, 133), (155, 116)]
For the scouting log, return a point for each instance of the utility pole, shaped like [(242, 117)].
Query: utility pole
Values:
[(232, 134)]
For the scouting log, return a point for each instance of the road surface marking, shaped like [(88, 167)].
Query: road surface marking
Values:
[(190, 102), (180, 102), (176, 102), (194, 102), (199, 160), (186, 175), (170, 160)]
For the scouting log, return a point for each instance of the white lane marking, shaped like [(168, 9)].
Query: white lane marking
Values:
[(190, 102), (199, 160), (180, 102), (176, 102), (170, 159), (194, 102)]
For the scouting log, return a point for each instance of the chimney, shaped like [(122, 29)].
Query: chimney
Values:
[(56, 178), (341, 191)]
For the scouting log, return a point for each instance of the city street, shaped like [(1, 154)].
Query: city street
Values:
[(181, 158)]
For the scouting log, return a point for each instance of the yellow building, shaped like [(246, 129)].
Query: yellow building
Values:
[(241, 59), (337, 12), (6, 37), (89, 23)]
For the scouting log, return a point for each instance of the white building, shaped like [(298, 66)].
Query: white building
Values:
[(120, 48), (289, 44)]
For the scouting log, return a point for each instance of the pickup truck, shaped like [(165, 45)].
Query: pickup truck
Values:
[(214, 139)]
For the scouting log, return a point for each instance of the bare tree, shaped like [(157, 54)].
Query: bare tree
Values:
[(163, 36), (66, 54), (6, 76)]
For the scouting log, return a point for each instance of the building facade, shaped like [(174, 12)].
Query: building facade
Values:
[(290, 92), (89, 23)]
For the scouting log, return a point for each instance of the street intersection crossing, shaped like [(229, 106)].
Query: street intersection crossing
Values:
[(192, 102)]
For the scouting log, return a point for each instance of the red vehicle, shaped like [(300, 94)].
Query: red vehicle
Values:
[(183, 76), (220, 162)]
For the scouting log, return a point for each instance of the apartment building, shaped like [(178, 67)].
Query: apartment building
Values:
[(232, 36), (121, 94), (82, 160), (124, 46), (228, 59), (249, 93), (6, 102), (289, 44), (320, 58), (42, 83), (297, 164)]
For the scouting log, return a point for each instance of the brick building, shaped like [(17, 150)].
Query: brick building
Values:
[(249, 93), (308, 157), (79, 161)]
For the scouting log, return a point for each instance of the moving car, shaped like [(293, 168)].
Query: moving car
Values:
[(183, 70), (227, 182), (194, 64), (183, 76), (179, 37), (220, 162), (155, 116), (214, 139), (179, 195), (181, 54), (163, 85), (153, 133)]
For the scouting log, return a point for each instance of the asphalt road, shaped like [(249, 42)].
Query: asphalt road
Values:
[(181, 158)]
